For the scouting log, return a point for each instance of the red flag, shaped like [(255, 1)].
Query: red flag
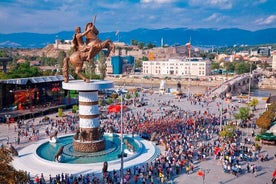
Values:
[(115, 108), (274, 173), (200, 173)]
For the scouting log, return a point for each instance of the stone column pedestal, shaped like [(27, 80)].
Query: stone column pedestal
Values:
[(89, 137)]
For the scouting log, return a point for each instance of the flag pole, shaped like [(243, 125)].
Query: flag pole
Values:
[(189, 60)]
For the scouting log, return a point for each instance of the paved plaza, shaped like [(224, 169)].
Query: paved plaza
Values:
[(213, 168)]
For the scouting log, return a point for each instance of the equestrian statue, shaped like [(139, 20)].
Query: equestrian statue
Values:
[(85, 51)]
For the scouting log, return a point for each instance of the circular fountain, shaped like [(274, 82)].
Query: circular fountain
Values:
[(85, 151), (110, 152)]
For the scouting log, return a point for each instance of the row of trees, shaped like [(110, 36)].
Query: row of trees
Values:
[(238, 66), (244, 114), (24, 70)]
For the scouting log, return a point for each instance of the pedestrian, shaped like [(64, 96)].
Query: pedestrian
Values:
[(254, 170), (248, 167), (188, 169), (161, 176), (18, 140)]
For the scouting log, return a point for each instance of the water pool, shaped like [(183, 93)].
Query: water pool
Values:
[(112, 149)]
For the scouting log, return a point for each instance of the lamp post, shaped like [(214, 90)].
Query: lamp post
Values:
[(249, 83), (122, 156), (189, 55), (220, 118)]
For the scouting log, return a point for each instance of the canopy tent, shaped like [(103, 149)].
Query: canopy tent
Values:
[(272, 129), (267, 136)]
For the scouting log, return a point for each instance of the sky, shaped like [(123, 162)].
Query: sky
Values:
[(53, 16)]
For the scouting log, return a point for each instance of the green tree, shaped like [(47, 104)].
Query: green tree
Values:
[(214, 65), (211, 56), (141, 45), (243, 114), (91, 69), (150, 45), (75, 108), (228, 131), (138, 63), (102, 65), (229, 67), (241, 67), (3, 53), (135, 94), (134, 42), (109, 101), (128, 96), (144, 58), (61, 56), (24, 70), (253, 103)]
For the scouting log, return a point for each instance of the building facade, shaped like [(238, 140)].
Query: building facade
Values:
[(195, 67), (274, 60)]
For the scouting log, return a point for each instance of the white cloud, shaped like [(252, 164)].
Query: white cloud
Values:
[(221, 4), (157, 1), (266, 21), (214, 17)]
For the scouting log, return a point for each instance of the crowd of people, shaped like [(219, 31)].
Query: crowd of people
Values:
[(188, 137)]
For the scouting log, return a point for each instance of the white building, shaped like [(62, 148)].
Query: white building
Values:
[(274, 60), (178, 67)]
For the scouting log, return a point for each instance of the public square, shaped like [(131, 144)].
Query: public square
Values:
[(171, 107)]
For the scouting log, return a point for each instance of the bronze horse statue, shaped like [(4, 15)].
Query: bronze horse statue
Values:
[(57, 157), (85, 53)]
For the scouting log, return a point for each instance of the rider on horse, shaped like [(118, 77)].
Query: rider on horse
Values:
[(84, 52), (93, 43), (78, 44)]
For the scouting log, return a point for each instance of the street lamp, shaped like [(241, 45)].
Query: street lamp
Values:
[(220, 118), (122, 157), (249, 84)]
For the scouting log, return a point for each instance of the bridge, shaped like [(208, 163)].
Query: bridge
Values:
[(238, 85)]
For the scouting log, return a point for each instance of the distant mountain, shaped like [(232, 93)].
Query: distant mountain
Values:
[(171, 36)]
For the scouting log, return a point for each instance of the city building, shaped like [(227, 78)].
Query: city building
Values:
[(264, 51), (194, 67), (274, 60), (120, 65)]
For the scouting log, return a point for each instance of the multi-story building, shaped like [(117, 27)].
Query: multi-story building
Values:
[(274, 60), (264, 51), (178, 67)]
